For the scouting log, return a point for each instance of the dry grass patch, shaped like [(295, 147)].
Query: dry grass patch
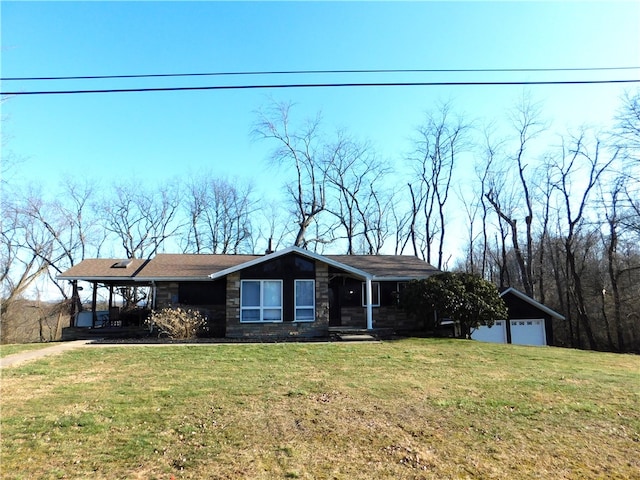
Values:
[(405, 409)]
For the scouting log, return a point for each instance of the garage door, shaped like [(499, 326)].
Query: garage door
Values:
[(528, 332), (497, 333)]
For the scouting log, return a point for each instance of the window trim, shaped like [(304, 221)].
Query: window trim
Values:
[(375, 286), (305, 307), (261, 308)]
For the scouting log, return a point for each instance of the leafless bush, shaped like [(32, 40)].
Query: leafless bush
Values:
[(177, 323)]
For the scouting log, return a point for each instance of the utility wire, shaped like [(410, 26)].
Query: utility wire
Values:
[(321, 85), (316, 72)]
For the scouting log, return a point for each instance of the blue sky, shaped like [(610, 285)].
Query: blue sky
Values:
[(164, 135)]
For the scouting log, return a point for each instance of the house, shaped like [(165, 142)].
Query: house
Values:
[(529, 322), (293, 292)]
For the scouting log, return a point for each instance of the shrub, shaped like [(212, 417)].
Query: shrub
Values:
[(464, 298), (177, 323)]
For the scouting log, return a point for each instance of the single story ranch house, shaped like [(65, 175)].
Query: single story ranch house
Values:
[(292, 292)]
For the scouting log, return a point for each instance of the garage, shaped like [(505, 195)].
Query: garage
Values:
[(497, 333), (529, 322), (528, 332)]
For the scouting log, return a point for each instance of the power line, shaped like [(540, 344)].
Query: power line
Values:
[(322, 85), (316, 72)]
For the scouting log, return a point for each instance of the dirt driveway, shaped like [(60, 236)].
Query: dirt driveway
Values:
[(54, 349)]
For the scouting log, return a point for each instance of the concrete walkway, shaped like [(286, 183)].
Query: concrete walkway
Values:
[(22, 357)]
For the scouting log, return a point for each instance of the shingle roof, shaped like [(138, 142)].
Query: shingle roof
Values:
[(168, 266), (392, 266), (102, 269), (192, 266)]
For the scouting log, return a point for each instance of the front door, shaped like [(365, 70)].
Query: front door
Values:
[(335, 319)]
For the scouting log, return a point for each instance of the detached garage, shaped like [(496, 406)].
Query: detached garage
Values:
[(529, 322)]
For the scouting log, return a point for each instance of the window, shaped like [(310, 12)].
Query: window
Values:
[(305, 300), (261, 301), (400, 286), (375, 293)]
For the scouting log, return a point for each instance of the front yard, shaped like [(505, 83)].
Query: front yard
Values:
[(398, 409)]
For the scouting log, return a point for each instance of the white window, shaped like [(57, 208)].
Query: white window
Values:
[(261, 301), (305, 300), (375, 293)]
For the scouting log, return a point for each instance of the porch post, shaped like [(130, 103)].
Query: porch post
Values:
[(153, 295), (369, 302), (94, 301)]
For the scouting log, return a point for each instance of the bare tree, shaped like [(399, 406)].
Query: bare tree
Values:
[(141, 219), (627, 132), (577, 166), (68, 220), (23, 254), (479, 245), (304, 151), (274, 226), (526, 122), (354, 177), (440, 140), (401, 218), (219, 213), (377, 218)]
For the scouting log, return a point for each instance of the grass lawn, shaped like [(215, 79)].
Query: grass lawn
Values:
[(402, 409)]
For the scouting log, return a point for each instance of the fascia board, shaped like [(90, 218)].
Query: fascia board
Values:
[(172, 279), (96, 279), (396, 279)]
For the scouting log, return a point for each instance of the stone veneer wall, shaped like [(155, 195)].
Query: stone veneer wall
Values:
[(167, 296), (319, 328), (383, 317)]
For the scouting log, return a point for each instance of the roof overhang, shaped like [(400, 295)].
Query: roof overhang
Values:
[(532, 302), (297, 250), (381, 278), (172, 279), (105, 280)]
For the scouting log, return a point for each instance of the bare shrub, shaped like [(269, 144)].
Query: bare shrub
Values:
[(177, 323)]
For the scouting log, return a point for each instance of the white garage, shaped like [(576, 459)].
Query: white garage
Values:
[(529, 323), (528, 332), (497, 333)]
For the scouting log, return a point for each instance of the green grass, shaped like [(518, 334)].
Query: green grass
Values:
[(10, 349), (406, 409)]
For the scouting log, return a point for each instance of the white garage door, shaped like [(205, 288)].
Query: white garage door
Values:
[(528, 332), (497, 333)]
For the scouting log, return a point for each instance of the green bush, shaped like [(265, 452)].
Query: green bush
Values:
[(177, 323), (466, 299)]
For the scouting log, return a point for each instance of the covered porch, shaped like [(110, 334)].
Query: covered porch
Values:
[(116, 300)]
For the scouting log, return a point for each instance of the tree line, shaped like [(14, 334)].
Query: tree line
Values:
[(558, 219)]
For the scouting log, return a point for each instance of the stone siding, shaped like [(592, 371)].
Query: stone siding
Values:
[(166, 294), (383, 317)]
